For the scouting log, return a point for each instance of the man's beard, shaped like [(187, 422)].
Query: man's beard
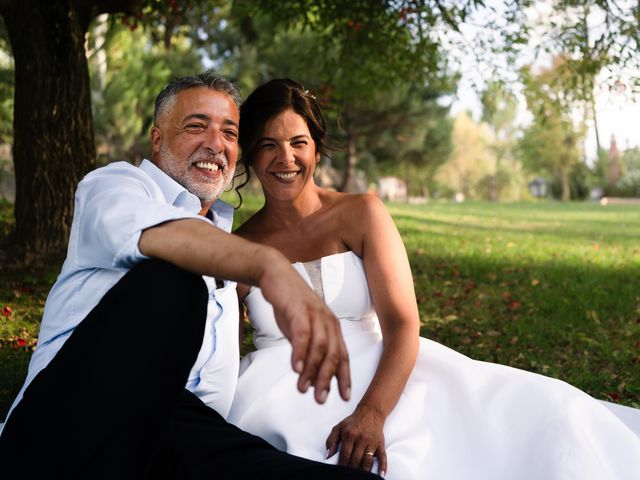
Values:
[(180, 171)]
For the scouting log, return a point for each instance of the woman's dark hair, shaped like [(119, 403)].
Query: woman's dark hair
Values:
[(270, 100)]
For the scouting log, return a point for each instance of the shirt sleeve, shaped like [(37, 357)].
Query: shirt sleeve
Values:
[(111, 211)]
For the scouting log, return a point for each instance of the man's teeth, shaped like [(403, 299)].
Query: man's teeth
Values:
[(208, 166), (286, 176)]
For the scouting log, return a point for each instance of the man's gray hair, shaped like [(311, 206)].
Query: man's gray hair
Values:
[(207, 79)]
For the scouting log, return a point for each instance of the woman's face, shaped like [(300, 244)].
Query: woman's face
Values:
[(286, 156)]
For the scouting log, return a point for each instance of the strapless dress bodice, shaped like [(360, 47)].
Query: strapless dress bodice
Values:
[(346, 293)]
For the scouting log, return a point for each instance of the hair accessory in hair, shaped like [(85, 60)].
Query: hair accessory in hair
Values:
[(307, 92)]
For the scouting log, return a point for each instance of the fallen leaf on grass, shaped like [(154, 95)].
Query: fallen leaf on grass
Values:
[(615, 396), (593, 316), (515, 305), (535, 282)]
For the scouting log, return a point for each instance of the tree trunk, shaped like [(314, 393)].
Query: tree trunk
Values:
[(564, 179), (352, 156), (53, 127), (493, 183)]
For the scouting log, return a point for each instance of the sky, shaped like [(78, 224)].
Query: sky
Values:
[(619, 115), (616, 111)]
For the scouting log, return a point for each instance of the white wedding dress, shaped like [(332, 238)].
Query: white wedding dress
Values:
[(457, 418)]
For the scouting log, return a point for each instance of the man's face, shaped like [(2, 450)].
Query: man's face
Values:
[(196, 141)]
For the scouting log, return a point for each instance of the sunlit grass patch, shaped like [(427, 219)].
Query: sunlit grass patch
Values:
[(548, 287)]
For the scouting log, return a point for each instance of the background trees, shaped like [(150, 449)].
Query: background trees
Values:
[(53, 134), (382, 69), (550, 144)]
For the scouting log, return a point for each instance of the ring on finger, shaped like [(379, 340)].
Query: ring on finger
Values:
[(369, 453)]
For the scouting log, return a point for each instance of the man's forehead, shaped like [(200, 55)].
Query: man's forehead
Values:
[(199, 101)]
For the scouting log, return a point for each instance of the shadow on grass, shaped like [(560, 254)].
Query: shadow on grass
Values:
[(13, 370), (578, 323)]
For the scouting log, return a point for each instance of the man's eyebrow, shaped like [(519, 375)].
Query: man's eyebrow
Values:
[(199, 116), (228, 121), (207, 118)]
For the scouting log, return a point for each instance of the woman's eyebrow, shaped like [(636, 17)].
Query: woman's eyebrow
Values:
[(295, 137)]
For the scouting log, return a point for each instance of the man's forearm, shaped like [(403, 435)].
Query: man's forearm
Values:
[(201, 248)]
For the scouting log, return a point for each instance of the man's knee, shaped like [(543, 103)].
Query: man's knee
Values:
[(159, 281), (160, 272), (163, 298)]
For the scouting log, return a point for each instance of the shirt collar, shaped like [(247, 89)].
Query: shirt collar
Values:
[(222, 215), (177, 195)]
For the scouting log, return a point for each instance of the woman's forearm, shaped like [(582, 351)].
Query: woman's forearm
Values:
[(396, 363)]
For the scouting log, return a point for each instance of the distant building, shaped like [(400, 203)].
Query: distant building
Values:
[(392, 188)]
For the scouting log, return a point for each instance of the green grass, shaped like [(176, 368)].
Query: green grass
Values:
[(546, 287)]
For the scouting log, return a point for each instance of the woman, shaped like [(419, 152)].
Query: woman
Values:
[(418, 409)]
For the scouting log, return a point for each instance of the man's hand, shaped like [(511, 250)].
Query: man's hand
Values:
[(319, 352)]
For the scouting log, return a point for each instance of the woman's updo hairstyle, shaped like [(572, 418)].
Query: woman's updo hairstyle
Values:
[(268, 101)]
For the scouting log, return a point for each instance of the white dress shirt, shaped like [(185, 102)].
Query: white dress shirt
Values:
[(113, 205)]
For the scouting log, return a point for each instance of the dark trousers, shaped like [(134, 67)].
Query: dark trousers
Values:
[(112, 403)]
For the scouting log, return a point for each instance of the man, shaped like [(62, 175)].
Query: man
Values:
[(130, 321)]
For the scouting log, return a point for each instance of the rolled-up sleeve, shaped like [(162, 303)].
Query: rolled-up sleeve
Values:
[(112, 211)]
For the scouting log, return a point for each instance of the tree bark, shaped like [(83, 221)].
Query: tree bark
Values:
[(564, 179), (352, 156), (53, 127)]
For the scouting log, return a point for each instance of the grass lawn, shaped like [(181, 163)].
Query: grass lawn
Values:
[(546, 287)]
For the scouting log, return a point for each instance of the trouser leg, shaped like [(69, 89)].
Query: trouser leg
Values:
[(204, 446), (100, 408)]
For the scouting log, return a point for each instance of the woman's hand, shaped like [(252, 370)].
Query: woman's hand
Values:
[(360, 439)]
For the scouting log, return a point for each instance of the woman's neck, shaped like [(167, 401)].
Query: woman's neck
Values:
[(291, 212)]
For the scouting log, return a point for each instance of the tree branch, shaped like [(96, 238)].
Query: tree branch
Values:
[(115, 6)]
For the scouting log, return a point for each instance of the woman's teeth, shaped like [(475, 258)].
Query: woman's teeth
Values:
[(286, 176)]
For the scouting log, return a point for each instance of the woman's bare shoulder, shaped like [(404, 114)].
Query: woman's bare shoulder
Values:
[(358, 205)]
